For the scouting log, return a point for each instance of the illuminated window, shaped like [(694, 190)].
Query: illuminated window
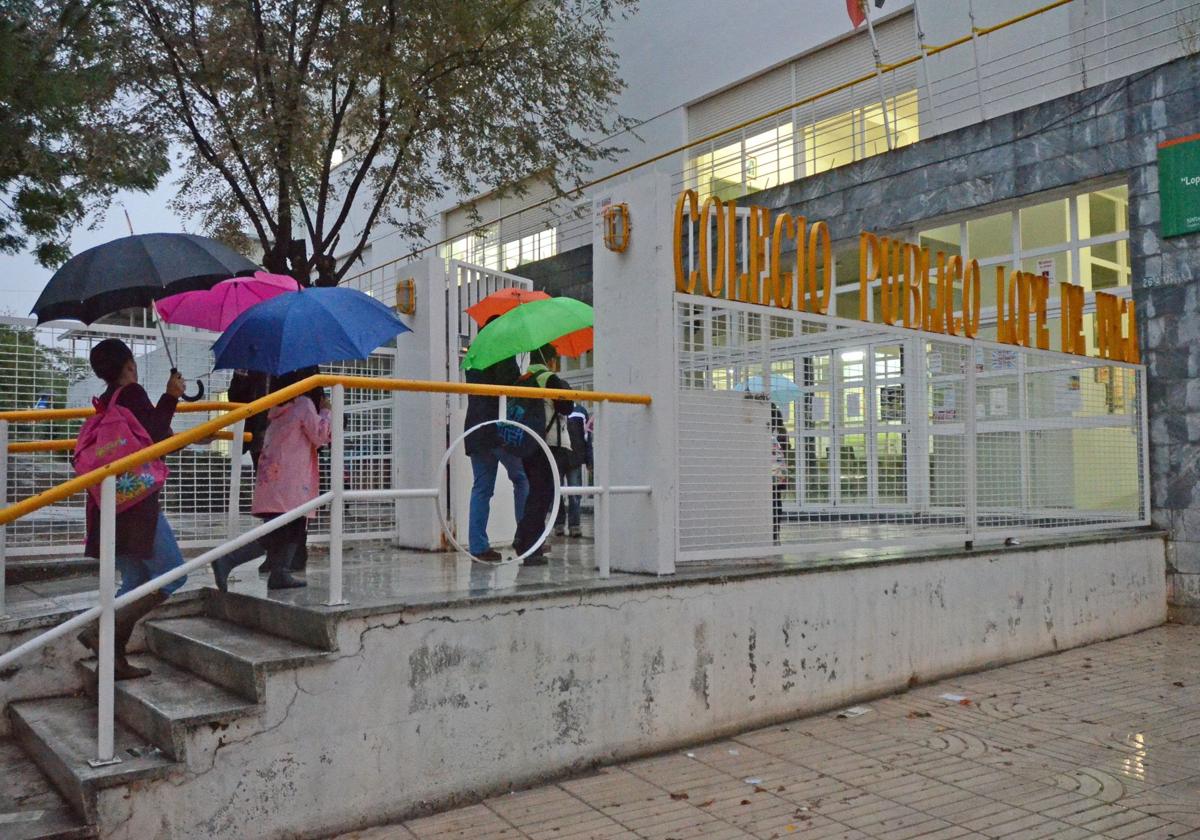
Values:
[(769, 158), (861, 133), (481, 248), (719, 172), (535, 246)]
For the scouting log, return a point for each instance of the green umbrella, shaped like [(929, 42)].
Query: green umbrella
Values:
[(526, 328)]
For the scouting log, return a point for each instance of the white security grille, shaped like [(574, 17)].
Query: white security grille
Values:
[(801, 433), (47, 367)]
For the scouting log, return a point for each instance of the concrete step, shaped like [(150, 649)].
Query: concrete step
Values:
[(59, 734), (30, 807), (164, 705), (311, 626), (226, 654), (29, 569)]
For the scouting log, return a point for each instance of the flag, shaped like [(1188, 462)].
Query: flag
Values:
[(854, 8)]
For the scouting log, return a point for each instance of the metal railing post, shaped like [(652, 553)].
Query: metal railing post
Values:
[(600, 463), (235, 478), (3, 503), (108, 588), (337, 486), (970, 443)]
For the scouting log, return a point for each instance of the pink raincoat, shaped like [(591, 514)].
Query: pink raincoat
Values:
[(288, 475)]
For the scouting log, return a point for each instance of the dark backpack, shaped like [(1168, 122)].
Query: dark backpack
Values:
[(528, 411)]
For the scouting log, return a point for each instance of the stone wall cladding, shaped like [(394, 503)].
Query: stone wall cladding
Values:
[(568, 274), (1112, 130)]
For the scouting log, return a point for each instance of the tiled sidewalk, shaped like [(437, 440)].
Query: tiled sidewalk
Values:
[(1099, 742)]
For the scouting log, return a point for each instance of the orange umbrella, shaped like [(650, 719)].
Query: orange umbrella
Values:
[(505, 300), (575, 344)]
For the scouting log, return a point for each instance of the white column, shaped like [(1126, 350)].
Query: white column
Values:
[(634, 298), (420, 419)]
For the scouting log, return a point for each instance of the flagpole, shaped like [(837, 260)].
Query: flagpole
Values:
[(975, 53), (925, 64), (887, 127)]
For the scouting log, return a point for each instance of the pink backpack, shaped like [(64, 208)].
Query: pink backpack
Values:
[(108, 435)]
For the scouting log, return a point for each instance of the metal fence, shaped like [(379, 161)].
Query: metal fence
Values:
[(800, 433), (47, 367)]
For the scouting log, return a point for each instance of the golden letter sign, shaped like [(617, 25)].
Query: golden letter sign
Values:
[(916, 289)]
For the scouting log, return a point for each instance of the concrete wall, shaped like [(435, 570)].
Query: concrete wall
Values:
[(430, 707)]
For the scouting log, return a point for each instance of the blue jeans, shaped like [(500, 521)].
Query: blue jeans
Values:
[(484, 466), (166, 556), (570, 506)]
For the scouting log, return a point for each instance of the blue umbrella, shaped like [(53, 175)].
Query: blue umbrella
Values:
[(782, 388), (305, 328)]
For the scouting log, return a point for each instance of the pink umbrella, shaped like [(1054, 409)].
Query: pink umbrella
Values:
[(218, 307)]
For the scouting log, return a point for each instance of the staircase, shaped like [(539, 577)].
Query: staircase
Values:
[(209, 675)]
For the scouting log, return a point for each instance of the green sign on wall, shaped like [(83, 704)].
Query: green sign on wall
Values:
[(1179, 185)]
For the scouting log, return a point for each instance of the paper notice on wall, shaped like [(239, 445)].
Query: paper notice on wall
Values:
[(1068, 394), (980, 411), (818, 409), (1045, 267), (945, 402), (935, 362), (998, 402), (1004, 359), (853, 405)]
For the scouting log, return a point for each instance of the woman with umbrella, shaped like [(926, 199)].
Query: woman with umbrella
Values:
[(145, 543), (135, 271), (287, 336)]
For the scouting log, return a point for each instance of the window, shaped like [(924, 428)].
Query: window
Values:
[(481, 248), (756, 159), (1079, 238), (535, 246), (484, 249), (861, 133), (753, 163)]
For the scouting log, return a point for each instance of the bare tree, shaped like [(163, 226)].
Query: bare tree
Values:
[(328, 118)]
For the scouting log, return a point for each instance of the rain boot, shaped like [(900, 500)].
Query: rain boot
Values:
[(126, 618), (280, 561)]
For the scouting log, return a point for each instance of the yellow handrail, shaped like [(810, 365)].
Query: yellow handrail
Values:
[(35, 415), (886, 68), (65, 444), (211, 427)]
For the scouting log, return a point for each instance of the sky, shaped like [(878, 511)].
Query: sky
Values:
[(650, 46)]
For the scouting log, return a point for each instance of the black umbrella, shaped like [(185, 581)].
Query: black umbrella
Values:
[(135, 271)]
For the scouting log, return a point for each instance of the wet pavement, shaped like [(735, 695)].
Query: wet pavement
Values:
[(378, 577), (1098, 742)]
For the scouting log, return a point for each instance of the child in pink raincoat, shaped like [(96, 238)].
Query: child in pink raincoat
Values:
[(288, 475)]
